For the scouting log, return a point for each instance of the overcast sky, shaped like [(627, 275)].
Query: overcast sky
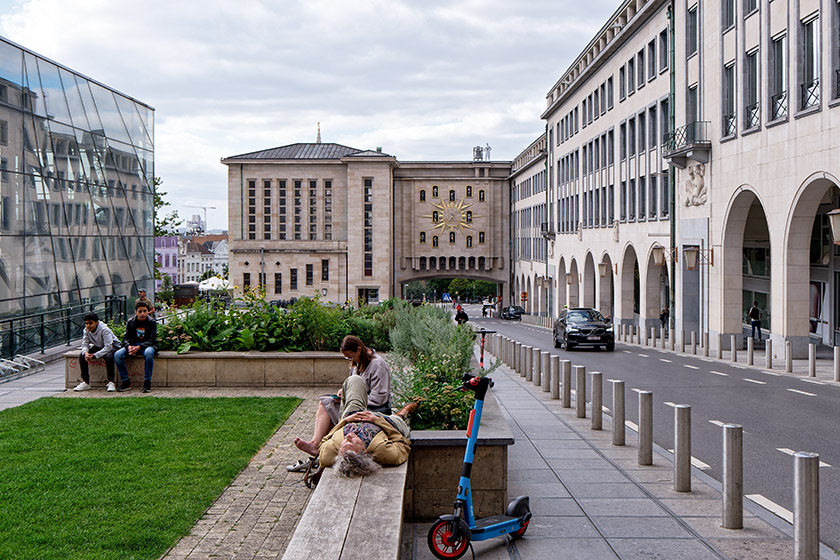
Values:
[(425, 80)]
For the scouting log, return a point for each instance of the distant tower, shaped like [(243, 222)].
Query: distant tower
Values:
[(318, 138)]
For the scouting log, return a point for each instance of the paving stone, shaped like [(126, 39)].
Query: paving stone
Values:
[(662, 549), (650, 527)]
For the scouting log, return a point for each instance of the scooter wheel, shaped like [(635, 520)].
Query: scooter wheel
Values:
[(442, 543)]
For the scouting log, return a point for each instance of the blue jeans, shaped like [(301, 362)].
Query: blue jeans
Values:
[(148, 355), (756, 327)]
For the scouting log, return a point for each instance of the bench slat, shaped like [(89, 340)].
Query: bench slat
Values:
[(376, 526)]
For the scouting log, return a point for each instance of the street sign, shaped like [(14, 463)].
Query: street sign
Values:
[(446, 297)]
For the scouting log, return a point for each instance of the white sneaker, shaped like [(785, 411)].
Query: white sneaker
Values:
[(111, 387), (82, 387)]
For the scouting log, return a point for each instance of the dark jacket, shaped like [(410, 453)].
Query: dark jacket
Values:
[(461, 317), (146, 337)]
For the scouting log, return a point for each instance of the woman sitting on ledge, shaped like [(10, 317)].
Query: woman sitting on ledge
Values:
[(368, 366), (363, 440)]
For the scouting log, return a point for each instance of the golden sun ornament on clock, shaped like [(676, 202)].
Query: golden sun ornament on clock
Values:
[(451, 216)]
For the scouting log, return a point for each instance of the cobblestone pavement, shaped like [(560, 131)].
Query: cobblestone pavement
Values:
[(255, 516)]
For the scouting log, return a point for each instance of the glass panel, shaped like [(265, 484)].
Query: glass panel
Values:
[(131, 118), (83, 87), (53, 92), (109, 114), (75, 105), (39, 272), (11, 61), (31, 97)]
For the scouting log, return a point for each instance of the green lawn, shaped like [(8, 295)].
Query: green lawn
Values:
[(120, 478)]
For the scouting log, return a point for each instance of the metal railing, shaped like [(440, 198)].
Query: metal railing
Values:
[(779, 105), (23, 334), (810, 93), (686, 136), (730, 125), (752, 116)]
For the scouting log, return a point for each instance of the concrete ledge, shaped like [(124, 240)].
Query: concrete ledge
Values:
[(352, 518), (225, 369), (434, 467)]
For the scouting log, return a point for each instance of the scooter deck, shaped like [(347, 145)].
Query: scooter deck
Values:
[(483, 524)]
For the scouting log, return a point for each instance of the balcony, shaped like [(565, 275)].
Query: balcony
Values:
[(779, 105), (810, 93), (546, 230), (689, 142), (752, 116)]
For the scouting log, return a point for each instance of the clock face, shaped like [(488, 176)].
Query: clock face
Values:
[(449, 216)]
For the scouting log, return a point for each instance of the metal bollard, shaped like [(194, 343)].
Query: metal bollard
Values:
[(806, 506), (750, 350), (597, 401), (682, 448), (653, 337), (645, 428), (719, 352), (682, 342), (733, 349), (788, 357), (768, 354), (618, 412), (733, 477), (517, 350), (662, 340), (554, 378), (812, 360), (545, 372), (671, 340), (693, 343), (529, 362), (536, 365), (566, 366), (580, 391), (837, 363), (624, 333), (705, 345)]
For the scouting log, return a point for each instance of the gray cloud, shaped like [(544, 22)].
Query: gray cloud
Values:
[(423, 80)]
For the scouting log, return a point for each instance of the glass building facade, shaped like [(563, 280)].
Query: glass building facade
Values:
[(76, 187)]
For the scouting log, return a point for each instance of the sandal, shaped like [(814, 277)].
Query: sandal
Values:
[(302, 464)]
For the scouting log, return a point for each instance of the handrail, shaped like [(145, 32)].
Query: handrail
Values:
[(696, 132), (24, 334)]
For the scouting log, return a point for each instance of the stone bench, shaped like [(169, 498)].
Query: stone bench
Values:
[(225, 369), (352, 518)]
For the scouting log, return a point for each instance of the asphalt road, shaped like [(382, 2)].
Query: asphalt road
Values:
[(780, 413)]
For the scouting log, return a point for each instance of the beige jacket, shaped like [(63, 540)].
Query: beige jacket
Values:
[(389, 447)]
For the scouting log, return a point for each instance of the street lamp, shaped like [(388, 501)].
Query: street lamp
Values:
[(324, 292), (695, 255), (569, 278), (834, 220), (603, 268)]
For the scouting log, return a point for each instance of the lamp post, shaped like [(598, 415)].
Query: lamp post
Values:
[(834, 221)]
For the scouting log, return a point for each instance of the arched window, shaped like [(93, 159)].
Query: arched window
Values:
[(434, 241), (469, 217), (469, 241), (422, 237), (481, 195), (452, 237), (481, 237), (434, 191), (451, 196), (434, 217), (469, 191), (422, 195)]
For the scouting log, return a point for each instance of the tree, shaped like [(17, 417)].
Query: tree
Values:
[(207, 274), (415, 290), (165, 226)]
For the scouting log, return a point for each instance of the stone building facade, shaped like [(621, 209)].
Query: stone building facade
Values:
[(693, 158), (350, 225)]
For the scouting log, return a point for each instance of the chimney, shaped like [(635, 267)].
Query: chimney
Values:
[(318, 138)]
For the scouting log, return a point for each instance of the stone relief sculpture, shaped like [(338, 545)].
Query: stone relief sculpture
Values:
[(695, 186)]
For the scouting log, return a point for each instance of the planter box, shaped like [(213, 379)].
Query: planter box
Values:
[(225, 369), (434, 468)]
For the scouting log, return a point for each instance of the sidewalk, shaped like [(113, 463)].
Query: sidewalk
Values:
[(591, 500), (31, 387)]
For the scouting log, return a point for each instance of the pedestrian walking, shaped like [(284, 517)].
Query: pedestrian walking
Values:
[(664, 316), (755, 321)]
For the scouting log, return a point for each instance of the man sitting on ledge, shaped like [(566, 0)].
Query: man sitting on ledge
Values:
[(362, 440)]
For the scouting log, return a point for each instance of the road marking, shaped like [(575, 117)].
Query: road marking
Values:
[(773, 373), (739, 367), (788, 451), (771, 506), (755, 381), (720, 373), (812, 381), (664, 360), (632, 425), (644, 355), (690, 366), (627, 351), (802, 392), (717, 423), (708, 359)]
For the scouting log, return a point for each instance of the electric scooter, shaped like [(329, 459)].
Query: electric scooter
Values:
[(450, 535)]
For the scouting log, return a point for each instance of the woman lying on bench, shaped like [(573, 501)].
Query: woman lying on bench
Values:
[(363, 440)]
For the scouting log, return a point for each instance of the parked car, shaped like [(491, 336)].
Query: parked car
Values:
[(583, 326), (512, 312)]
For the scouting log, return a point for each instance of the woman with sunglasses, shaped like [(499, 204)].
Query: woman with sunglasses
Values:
[(368, 365)]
